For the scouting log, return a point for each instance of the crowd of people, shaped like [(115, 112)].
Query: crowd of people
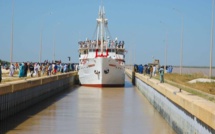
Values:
[(152, 69), (146, 69), (38, 69)]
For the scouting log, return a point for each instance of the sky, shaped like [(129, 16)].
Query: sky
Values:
[(151, 29)]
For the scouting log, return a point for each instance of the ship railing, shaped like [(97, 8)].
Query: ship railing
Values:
[(93, 44), (94, 48)]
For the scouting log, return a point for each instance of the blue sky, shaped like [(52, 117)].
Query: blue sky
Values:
[(136, 22)]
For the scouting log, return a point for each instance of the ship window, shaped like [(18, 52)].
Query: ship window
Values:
[(120, 52), (85, 51)]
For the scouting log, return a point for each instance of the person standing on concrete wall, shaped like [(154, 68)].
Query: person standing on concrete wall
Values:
[(161, 71), (154, 70), (0, 73), (39, 69), (151, 70), (31, 69), (144, 69), (12, 69), (50, 69), (26, 69), (21, 70), (16, 66), (55, 68)]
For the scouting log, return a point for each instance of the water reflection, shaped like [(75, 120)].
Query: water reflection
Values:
[(90, 110), (14, 121)]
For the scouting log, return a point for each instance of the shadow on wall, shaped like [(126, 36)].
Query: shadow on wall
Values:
[(13, 121)]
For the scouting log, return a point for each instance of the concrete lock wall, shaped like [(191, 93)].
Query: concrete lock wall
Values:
[(16, 96), (184, 112)]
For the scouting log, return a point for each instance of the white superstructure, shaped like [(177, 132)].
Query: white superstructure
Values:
[(101, 61)]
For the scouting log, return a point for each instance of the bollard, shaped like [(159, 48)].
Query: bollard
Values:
[(133, 78)]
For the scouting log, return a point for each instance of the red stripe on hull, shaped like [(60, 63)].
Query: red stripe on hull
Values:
[(103, 85), (112, 65)]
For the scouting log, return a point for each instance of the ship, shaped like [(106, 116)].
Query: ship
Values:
[(102, 59)]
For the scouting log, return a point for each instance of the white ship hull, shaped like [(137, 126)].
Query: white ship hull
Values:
[(101, 72)]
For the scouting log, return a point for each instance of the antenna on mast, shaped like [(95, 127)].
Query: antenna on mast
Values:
[(101, 3)]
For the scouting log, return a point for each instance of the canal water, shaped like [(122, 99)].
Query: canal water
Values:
[(88, 110)]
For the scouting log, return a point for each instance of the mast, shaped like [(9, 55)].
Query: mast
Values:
[(102, 30), (101, 27), (105, 26), (98, 28), (97, 39)]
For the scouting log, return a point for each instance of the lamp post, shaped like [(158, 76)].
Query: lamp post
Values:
[(54, 42), (41, 36), (41, 43), (54, 48), (166, 45), (11, 49), (182, 39), (166, 42), (211, 45), (165, 53)]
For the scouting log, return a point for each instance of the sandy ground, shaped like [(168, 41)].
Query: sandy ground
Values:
[(204, 71)]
